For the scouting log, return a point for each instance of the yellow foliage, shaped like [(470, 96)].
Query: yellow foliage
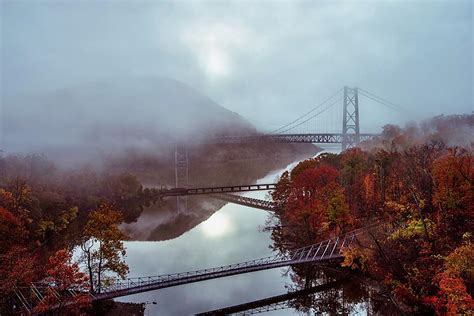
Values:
[(355, 259)]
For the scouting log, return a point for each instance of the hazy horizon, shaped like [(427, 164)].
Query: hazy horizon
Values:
[(270, 62)]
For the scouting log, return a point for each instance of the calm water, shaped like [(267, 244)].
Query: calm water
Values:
[(232, 234)]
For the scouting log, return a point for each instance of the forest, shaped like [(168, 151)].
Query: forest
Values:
[(48, 215), (413, 185), (414, 188)]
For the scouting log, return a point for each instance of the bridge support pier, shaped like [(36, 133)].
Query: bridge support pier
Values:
[(181, 175), (350, 119)]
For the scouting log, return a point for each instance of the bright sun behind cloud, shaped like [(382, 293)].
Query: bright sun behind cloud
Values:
[(216, 225), (215, 47)]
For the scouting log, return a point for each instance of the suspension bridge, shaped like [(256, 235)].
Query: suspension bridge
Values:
[(325, 252), (320, 125)]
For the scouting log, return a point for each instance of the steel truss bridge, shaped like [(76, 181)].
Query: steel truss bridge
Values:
[(324, 253), (310, 138), (224, 193), (215, 190)]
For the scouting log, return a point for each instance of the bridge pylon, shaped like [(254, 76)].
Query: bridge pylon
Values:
[(350, 119)]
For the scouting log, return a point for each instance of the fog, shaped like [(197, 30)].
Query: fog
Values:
[(82, 72)]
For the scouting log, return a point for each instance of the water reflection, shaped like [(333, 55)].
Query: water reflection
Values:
[(230, 235), (217, 225), (234, 234)]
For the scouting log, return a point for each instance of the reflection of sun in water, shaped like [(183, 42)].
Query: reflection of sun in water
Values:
[(216, 225)]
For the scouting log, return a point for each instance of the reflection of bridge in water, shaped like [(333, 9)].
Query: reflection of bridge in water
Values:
[(273, 303)]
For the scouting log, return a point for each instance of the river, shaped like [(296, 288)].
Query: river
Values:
[(232, 234)]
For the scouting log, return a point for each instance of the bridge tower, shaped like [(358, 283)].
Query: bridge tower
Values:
[(181, 174), (350, 119)]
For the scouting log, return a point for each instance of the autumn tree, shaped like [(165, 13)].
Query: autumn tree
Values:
[(312, 204), (65, 278), (102, 248), (17, 262)]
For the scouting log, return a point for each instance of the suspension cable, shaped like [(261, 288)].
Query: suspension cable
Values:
[(380, 100), (311, 117), (304, 115)]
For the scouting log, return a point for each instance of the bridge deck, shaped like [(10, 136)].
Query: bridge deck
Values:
[(322, 252), (214, 190), (313, 138)]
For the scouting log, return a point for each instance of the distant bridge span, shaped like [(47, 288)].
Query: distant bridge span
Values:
[(223, 193), (214, 190), (311, 138)]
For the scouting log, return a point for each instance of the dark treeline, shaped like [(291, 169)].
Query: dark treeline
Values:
[(416, 183)]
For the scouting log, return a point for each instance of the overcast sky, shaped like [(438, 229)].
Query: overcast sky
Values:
[(267, 60)]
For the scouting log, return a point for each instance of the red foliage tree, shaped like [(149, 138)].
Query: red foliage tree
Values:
[(63, 275)]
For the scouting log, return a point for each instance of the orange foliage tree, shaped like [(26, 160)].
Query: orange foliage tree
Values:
[(102, 248)]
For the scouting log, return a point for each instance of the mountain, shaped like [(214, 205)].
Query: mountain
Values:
[(130, 125), (113, 115)]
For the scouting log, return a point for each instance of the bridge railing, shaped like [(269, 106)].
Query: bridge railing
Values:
[(325, 250)]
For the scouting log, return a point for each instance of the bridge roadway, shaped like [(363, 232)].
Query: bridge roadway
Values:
[(322, 252), (312, 138), (325, 252), (213, 190)]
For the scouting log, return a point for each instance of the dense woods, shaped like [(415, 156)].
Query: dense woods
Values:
[(415, 187), (47, 216)]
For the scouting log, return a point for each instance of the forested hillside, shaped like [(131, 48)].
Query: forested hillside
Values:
[(415, 185)]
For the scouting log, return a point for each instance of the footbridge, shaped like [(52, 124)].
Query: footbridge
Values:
[(325, 253), (321, 253)]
